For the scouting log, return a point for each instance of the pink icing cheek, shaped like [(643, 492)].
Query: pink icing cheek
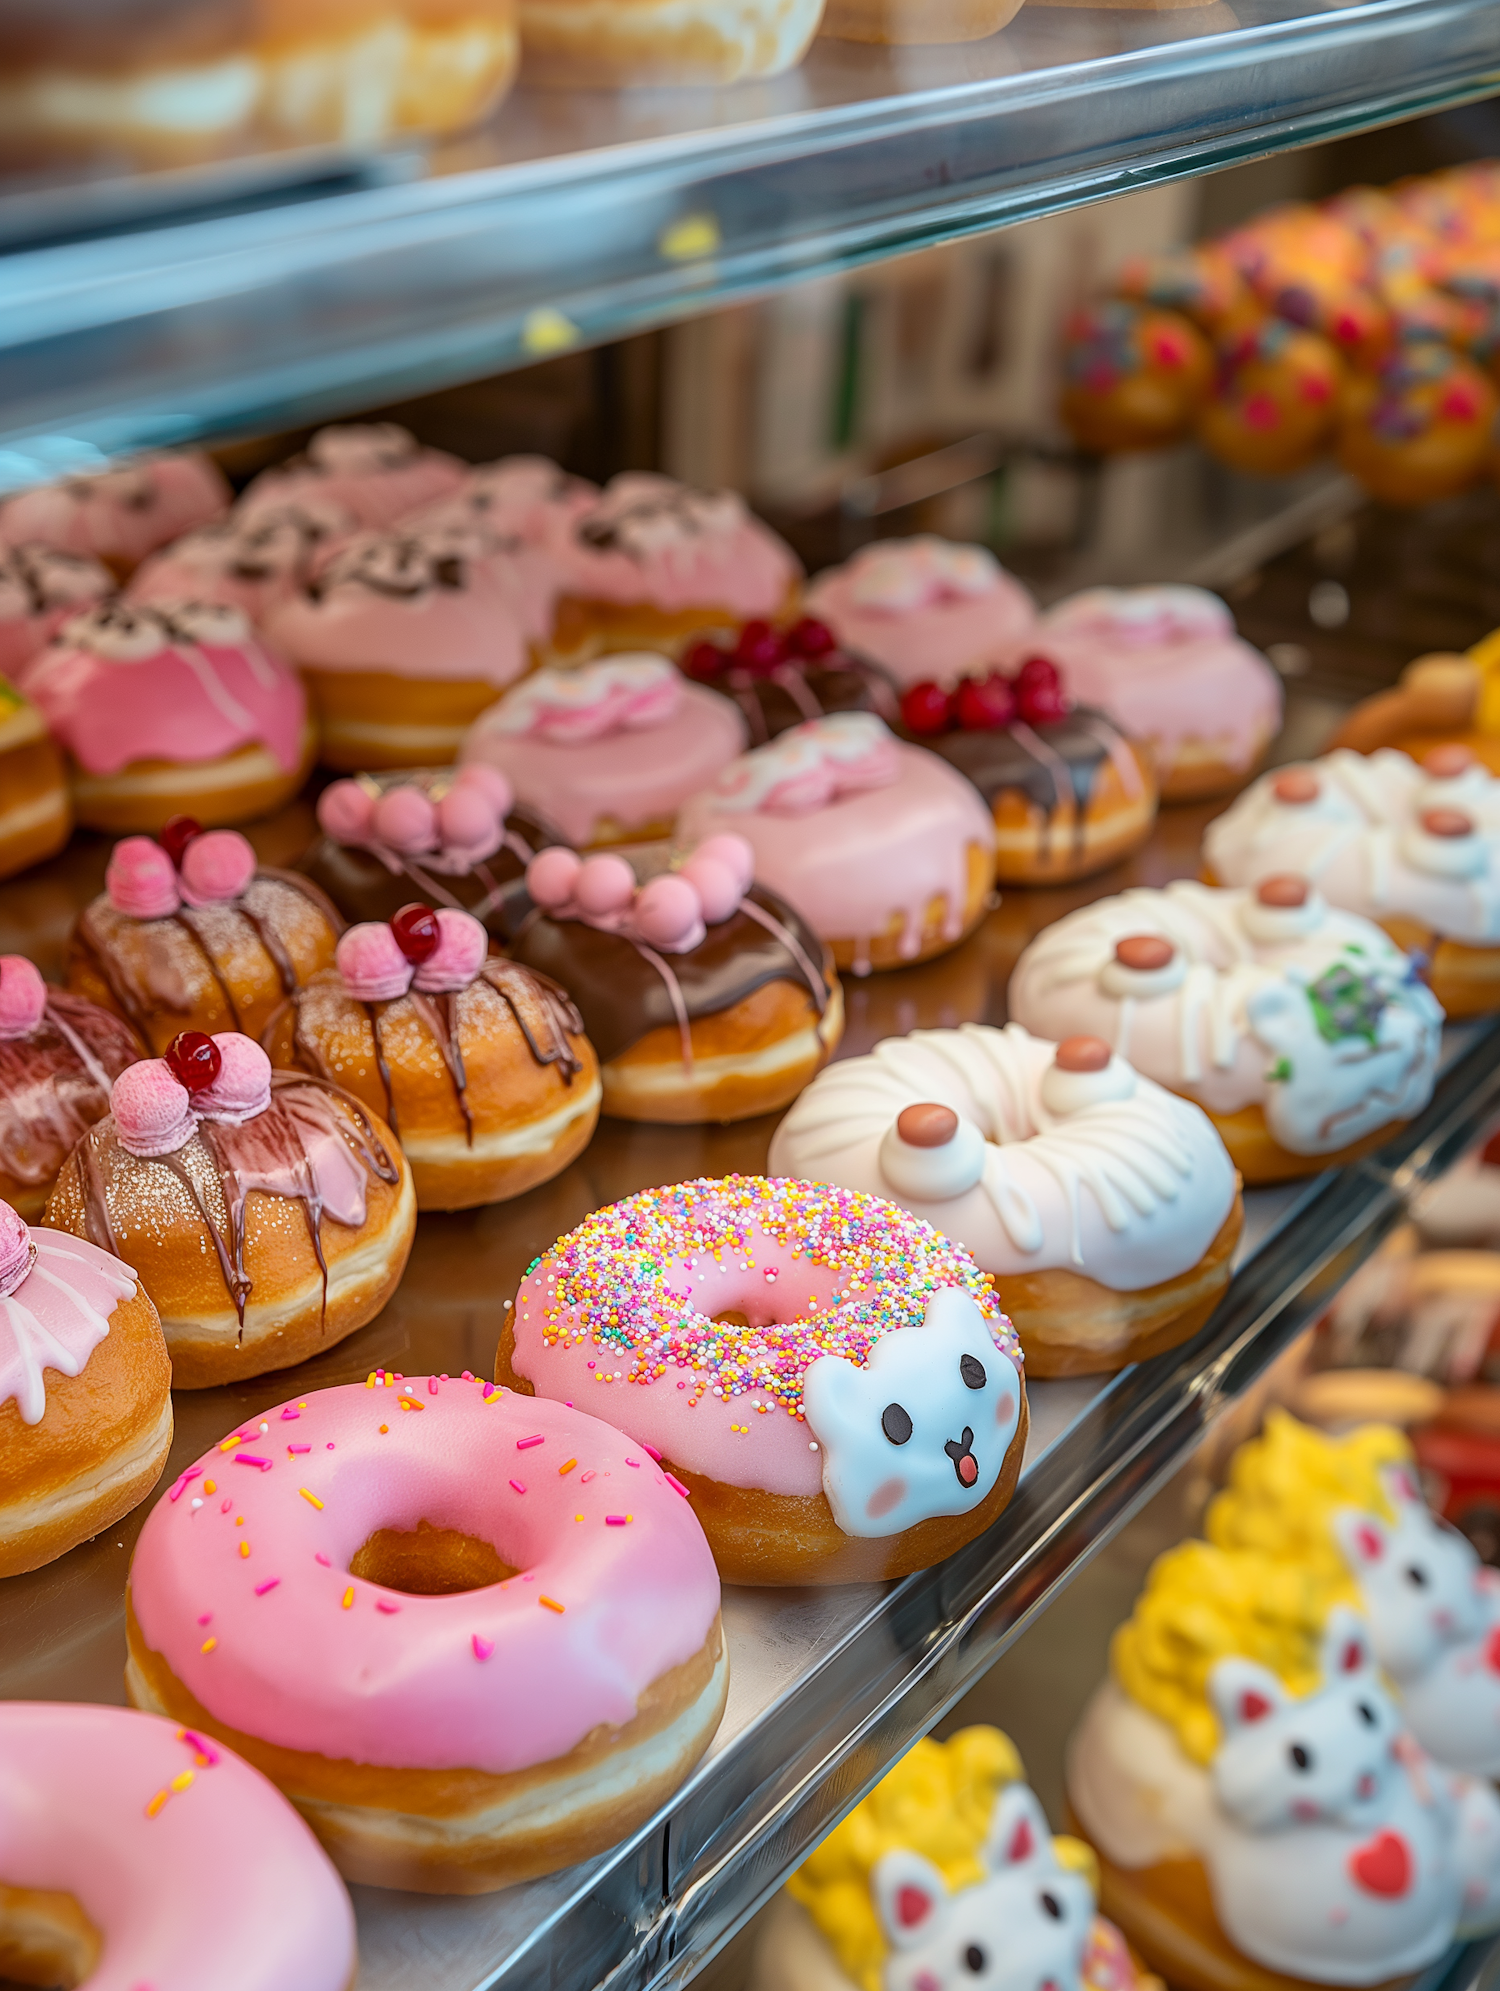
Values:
[(668, 911), (552, 877), (735, 853), (15, 1250), (23, 997), (890, 1493), (466, 819), (406, 820), (606, 884), (719, 890), (488, 782), (216, 867), (141, 881), (346, 811)]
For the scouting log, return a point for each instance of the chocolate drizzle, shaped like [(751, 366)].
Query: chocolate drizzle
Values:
[(440, 1015), (54, 1084), (1050, 764), (773, 701)]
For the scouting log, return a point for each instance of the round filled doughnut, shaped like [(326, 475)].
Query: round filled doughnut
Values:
[(377, 472), (1134, 376), (119, 516), (830, 1378), (1104, 1209), (138, 1854), (36, 809), (473, 1637), (85, 1399), (1420, 427), (1274, 407)]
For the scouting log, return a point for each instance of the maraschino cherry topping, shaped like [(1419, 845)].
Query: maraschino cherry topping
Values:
[(193, 1058), (760, 648), (417, 932), (177, 832), (1034, 696)]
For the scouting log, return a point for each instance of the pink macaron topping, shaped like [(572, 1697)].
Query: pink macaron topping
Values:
[(23, 996), (216, 867), (490, 783), (460, 954), (406, 820), (718, 889), (735, 853), (346, 811), (141, 880), (552, 876), (467, 822), (153, 1114), (671, 911), (16, 1250), (372, 965), (606, 884), (243, 1086), (668, 913)]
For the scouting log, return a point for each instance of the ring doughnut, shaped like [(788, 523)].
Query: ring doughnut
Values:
[(830, 1377), (137, 1853), (472, 1637), (1104, 1209)]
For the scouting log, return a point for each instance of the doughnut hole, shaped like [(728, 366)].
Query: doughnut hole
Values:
[(429, 1562), (46, 1939)]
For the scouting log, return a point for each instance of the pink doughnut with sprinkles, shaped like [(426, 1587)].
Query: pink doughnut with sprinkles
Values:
[(830, 1378), (473, 1637)]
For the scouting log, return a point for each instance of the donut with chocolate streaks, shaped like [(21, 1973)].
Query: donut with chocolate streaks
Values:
[(40, 591), (192, 934), (480, 1065), (779, 677), (117, 515), (266, 1214), (36, 810), (706, 996)]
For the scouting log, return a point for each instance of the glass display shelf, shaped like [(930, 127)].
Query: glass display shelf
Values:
[(827, 1686), (135, 318)]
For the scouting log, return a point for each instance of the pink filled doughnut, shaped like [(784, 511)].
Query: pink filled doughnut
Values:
[(138, 1856), (472, 1636)]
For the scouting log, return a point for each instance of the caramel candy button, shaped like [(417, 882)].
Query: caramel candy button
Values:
[(1286, 889), (1144, 952), (1447, 761), (1297, 785), (927, 1125), (1446, 822), (1083, 1054)]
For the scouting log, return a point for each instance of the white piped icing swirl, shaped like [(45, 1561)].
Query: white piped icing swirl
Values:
[(896, 576), (810, 766)]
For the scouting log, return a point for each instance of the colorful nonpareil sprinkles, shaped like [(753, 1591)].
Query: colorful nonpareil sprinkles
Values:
[(621, 1283)]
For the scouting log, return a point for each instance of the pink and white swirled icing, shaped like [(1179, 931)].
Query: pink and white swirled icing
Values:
[(119, 514), (925, 608), (377, 471), (650, 539), (40, 590), (57, 1293)]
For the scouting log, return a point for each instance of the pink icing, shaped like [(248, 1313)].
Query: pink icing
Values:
[(246, 566), (649, 539), (153, 1114), (376, 471), (619, 694), (391, 602), (1165, 664), (40, 590), (23, 997), (372, 965), (122, 685), (411, 1688), (812, 766), (523, 572), (216, 867), (461, 950), (581, 785), (520, 497), (243, 1087), (849, 865), (924, 608), (212, 1880), (140, 879), (119, 514), (53, 1316)]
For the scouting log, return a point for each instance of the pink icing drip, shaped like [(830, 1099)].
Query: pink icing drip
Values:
[(153, 1114), (56, 1314), (216, 867), (23, 997), (461, 950), (140, 880), (243, 1087), (372, 965)]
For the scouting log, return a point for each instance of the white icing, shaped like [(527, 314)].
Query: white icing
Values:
[(933, 1174), (119, 632), (643, 514), (1145, 616), (57, 1316), (628, 693), (1130, 1190), (1361, 841), (35, 580), (1276, 924), (355, 449), (810, 766), (1239, 1027), (401, 564), (1067, 1093), (896, 576), (1141, 984), (208, 622), (957, 1430)]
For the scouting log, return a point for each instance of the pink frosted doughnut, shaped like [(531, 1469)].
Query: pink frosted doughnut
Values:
[(831, 1377), (581, 1605), (924, 608), (181, 1865)]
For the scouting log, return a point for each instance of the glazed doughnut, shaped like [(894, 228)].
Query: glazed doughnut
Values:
[(1416, 849), (59, 1055), (711, 997), (1134, 376), (924, 608), (829, 1377), (1301, 1031), (194, 1179), (85, 1400), (1166, 666), (191, 934), (474, 1637), (119, 516), (40, 590), (448, 836), (375, 471), (1070, 794), (779, 677), (652, 564), (1104, 1209), (571, 44), (886, 850), (171, 710), (1275, 402), (480, 1066), (1419, 427), (137, 1853), (36, 810), (608, 751), (251, 565)]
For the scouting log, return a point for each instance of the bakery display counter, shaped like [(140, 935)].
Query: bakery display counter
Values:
[(827, 1686), (151, 312)]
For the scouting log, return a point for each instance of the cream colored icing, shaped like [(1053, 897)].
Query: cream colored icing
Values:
[(852, 827), (1124, 1182), (376, 470), (650, 539), (40, 590), (925, 608), (56, 1317), (1230, 1021), (1361, 841), (119, 514)]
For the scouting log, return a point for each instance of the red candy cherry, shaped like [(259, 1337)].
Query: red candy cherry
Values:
[(1039, 693), (417, 932), (759, 647), (985, 704), (177, 832), (810, 638), (704, 661), (192, 1058), (926, 708)]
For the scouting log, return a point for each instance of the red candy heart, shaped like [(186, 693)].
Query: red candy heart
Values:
[(193, 1060), (926, 708), (177, 832), (1383, 1866), (417, 932)]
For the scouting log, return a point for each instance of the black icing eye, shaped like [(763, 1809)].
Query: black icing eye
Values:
[(975, 1958), (972, 1371), (1366, 1713), (1301, 1758), (895, 1423), (1416, 1576), (1051, 1906)]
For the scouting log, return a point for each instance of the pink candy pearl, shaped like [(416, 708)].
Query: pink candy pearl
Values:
[(488, 782), (734, 853), (216, 867), (719, 890), (345, 811), (140, 879), (606, 884), (466, 819), (23, 997), (15, 1250), (406, 820), (667, 910), (552, 875)]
